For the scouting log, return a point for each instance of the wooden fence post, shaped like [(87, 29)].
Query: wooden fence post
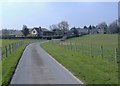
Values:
[(6, 52), (101, 51), (9, 49), (12, 46)]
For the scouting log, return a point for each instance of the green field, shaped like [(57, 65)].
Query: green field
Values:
[(75, 55), (6, 42), (9, 63)]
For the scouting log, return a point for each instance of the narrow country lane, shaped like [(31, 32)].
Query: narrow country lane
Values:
[(37, 67)]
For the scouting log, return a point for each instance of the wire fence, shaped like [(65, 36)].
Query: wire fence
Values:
[(91, 50), (8, 49), (5, 51)]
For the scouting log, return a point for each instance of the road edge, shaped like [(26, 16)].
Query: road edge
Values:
[(9, 83), (63, 67)]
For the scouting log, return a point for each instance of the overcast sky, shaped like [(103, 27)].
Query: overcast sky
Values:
[(44, 14)]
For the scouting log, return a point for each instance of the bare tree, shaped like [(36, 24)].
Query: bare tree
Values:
[(102, 27), (53, 27), (64, 27), (113, 27), (56, 30)]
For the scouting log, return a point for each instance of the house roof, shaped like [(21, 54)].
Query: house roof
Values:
[(39, 29)]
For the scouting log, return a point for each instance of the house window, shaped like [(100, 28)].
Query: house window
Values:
[(33, 31)]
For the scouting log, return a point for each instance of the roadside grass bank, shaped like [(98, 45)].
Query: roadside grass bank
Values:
[(99, 45), (91, 70), (6, 42), (9, 63)]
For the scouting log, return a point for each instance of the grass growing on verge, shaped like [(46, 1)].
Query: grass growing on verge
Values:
[(9, 64), (90, 45), (6, 42), (91, 70)]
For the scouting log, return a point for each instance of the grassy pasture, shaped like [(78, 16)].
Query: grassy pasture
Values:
[(91, 44), (91, 70), (9, 63), (6, 42), (108, 41)]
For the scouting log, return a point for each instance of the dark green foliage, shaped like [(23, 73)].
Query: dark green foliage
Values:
[(25, 30), (75, 31), (85, 27)]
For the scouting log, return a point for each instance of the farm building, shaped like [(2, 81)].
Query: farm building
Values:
[(40, 32), (35, 32)]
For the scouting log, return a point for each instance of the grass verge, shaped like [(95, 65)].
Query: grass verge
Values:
[(91, 70), (9, 64)]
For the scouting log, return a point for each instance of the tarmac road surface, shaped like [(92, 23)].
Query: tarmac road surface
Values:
[(36, 66)]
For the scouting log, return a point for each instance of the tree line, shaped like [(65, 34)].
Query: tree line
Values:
[(62, 28)]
